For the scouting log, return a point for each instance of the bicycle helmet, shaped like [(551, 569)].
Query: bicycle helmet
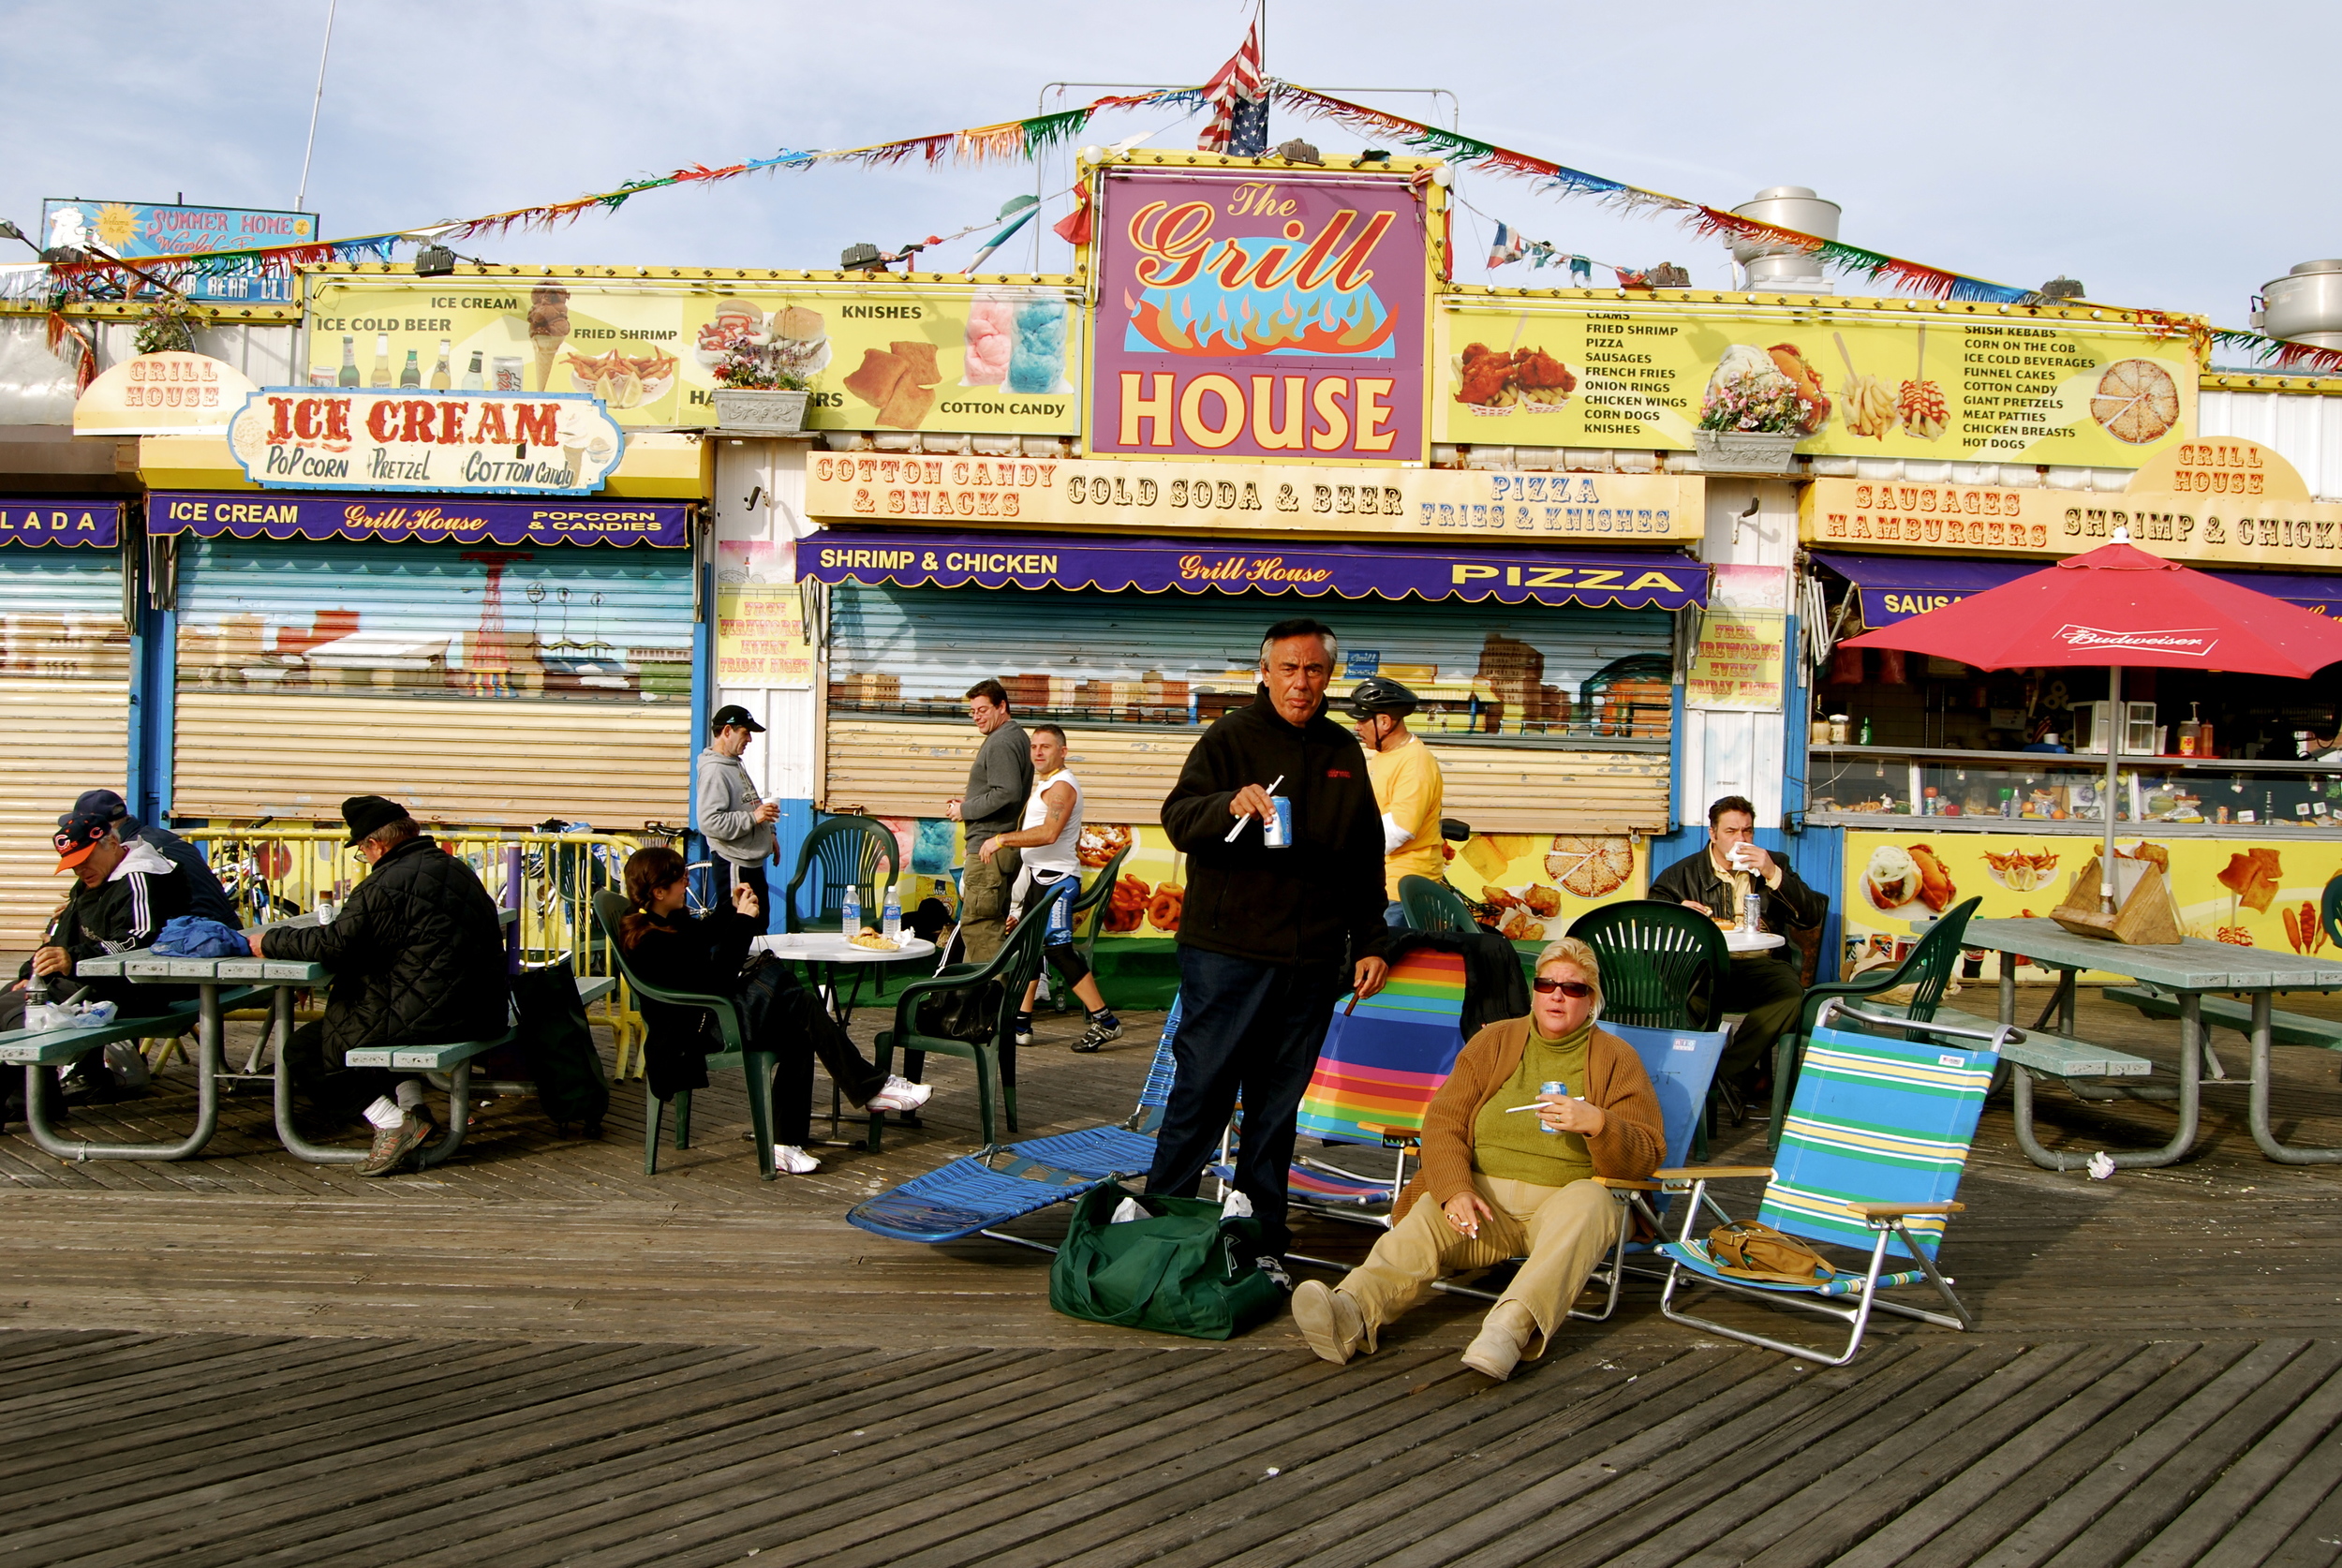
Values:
[(1381, 694)]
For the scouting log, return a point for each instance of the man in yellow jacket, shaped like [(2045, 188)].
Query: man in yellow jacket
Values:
[(1407, 786)]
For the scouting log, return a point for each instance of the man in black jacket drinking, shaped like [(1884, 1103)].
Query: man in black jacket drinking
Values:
[(418, 958), (1283, 912)]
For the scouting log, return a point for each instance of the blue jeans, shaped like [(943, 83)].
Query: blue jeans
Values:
[(1395, 915), (1245, 1029)]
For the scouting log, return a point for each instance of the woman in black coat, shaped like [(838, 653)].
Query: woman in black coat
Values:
[(678, 951)]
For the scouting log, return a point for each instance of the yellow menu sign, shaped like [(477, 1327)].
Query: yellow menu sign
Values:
[(1862, 381), (983, 358)]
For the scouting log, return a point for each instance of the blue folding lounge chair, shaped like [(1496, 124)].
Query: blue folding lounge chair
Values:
[(1871, 1158), (1681, 1063), (974, 1194)]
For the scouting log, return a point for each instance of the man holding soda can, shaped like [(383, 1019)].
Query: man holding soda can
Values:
[(1728, 880), (1284, 913)]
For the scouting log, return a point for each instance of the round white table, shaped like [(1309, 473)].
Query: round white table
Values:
[(1752, 942), (831, 947)]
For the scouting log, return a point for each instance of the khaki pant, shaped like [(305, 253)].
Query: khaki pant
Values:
[(1564, 1232), (984, 886)]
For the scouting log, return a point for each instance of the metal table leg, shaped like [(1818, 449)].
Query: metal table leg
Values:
[(281, 1028), (2190, 1104), (2285, 1154), (207, 1068)]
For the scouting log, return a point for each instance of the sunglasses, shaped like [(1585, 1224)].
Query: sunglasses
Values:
[(1572, 988)]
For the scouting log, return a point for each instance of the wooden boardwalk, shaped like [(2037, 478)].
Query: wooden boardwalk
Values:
[(538, 1354)]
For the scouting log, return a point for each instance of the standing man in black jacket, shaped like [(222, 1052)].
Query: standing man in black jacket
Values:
[(418, 958), (1283, 912)]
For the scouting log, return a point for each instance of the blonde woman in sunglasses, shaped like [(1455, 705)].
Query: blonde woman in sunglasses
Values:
[(1509, 1169)]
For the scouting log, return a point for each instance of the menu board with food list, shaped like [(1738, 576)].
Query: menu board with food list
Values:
[(1885, 378), (899, 354)]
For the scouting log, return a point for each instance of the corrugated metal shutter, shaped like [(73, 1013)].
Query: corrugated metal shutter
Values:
[(910, 767), (65, 713), (896, 648), (936, 642), (490, 685), (58, 738)]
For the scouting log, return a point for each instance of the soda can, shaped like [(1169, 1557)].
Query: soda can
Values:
[(1551, 1087), (1752, 911), (1277, 829)]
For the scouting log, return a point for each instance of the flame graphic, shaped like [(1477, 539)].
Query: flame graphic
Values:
[(1204, 317)]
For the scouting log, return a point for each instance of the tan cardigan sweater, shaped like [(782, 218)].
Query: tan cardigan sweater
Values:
[(1630, 1146)]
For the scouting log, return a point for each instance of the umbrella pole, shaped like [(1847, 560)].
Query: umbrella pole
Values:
[(2114, 730)]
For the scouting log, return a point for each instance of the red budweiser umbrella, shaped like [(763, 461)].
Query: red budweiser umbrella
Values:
[(2120, 606)]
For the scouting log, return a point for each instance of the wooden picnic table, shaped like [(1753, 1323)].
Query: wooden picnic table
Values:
[(2189, 969)]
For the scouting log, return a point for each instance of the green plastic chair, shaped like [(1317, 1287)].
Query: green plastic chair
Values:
[(1431, 905), (1927, 969), (1663, 965), (841, 850), (995, 1055), (609, 909), (2330, 912)]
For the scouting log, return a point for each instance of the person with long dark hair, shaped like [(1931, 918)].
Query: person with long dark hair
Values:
[(675, 950)]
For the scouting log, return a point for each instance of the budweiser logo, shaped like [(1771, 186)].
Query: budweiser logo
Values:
[(2197, 641)]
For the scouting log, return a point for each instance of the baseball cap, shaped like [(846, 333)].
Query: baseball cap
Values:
[(104, 802), (731, 714), (81, 831)]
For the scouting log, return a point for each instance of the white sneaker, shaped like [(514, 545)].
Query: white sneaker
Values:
[(900, 1094), (789, 1160)]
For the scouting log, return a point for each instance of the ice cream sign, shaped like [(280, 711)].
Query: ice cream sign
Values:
[(484, 443), (1245, 313)]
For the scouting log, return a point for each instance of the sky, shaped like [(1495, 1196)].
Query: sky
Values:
[(2123, 145)]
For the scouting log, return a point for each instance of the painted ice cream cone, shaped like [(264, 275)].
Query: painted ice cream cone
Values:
[(548, 328)]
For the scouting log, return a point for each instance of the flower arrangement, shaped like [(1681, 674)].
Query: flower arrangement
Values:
[(756, 367), (1755, 408)]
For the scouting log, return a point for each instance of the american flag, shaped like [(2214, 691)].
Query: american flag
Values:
[(1240, 104)]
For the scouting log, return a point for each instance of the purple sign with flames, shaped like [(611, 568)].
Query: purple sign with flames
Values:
[(1260, 314), (461, 520), (36, 520)]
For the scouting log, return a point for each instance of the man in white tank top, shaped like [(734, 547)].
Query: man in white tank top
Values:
[(1050, 880)]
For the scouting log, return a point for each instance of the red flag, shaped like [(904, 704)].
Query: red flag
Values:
[(1074, 228)]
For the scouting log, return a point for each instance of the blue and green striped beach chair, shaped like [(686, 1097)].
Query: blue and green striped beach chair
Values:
[(1870, 1160)]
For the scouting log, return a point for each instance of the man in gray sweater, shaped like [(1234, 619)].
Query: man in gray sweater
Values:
[(998, 783), (735, 820)]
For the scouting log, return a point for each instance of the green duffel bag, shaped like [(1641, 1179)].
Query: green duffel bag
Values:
[(1184, 1271)]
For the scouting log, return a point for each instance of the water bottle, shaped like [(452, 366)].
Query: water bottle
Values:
[(1550, 1086), (891, 921), (851, 908)]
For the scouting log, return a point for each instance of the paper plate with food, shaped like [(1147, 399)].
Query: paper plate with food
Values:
[(2020, 871)]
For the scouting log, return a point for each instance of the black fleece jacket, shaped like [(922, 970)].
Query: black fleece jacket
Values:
[(1319, 901), (701, 953)]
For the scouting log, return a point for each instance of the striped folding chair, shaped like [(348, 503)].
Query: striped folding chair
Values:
[(1870, 1160), (1382, 1060)]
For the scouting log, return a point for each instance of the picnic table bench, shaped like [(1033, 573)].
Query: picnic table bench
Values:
[(37, 1050), (2284, 1028)]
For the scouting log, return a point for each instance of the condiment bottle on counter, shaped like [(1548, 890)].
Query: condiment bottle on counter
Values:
[(2190, 730)]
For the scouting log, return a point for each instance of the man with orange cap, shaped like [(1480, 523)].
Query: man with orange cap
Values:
[(122, 896)]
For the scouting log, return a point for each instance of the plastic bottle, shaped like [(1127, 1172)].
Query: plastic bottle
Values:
[(850, 907), (891, 921), (1551, 1086)]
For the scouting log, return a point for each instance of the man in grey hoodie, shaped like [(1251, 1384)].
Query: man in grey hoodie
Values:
[(998, 783), (735, 820)]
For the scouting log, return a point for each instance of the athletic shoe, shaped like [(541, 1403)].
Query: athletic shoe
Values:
[(1274, 1266), (1098, 1033), (900, 1094), (1329, 1320), (1496, 1351), (391, 1145), (1024, 1028), (789, 1160)]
